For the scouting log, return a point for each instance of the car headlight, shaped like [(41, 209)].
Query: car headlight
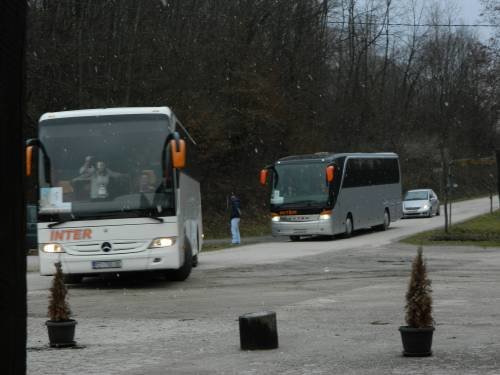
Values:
[(51, 248), (275, 218), (426, 207), (162, 242)]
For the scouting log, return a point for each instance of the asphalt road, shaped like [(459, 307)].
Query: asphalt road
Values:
[(339, 304)]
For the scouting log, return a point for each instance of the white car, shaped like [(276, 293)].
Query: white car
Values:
[(420, 203)]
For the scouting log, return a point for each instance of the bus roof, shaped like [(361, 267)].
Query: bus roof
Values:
[(106, 112), (330, 156)]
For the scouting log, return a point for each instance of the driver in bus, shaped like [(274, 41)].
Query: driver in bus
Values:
[(99, 177)]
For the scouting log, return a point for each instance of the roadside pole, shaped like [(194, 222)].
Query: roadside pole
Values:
[(445, 179)]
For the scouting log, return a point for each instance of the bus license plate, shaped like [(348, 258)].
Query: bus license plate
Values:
[(103, 264)]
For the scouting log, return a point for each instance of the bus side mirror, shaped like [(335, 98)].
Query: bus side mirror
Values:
[(178, 151), (263, 177), (330, 173), (29, 160)]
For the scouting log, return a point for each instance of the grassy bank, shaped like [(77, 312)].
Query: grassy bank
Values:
[(252, 224), (481, 231)]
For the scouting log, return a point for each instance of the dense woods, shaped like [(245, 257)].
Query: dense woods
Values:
[(254, 80)]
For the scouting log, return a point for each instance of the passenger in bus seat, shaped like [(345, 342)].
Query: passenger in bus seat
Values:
[(99, 177), (88, 166)]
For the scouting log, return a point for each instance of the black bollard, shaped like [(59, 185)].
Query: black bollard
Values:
[(258, 331)]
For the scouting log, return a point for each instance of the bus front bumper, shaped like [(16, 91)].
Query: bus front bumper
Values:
[(146, 260), (302, 228)]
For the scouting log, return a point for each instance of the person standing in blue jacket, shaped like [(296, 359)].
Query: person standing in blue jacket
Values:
[(235, 219)]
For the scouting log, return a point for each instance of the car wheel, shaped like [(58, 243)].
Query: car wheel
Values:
[(438, 212)]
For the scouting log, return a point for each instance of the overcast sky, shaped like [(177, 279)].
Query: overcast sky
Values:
[(469, 12)]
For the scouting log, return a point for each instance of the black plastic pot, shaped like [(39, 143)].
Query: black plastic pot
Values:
[(258, 331), (417, 342), (61, 333)]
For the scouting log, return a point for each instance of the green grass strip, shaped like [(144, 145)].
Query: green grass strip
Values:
[(483, 231)]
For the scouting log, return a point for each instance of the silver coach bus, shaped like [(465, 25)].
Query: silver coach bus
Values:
[(330, 194)]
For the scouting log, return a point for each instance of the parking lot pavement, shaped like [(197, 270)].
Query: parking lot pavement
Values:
[(338, 313)]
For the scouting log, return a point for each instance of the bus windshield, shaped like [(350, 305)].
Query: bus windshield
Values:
[(299, 184), (105, 167)]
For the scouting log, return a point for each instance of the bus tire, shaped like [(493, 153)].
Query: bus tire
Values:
[(349, 227), (294, 238), (195, 257), (386, 223), (182, 273), (73, 279)]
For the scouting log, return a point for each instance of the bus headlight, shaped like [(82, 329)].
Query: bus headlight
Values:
[(325, 215), (162, 242), (51, 248), (275, 218)]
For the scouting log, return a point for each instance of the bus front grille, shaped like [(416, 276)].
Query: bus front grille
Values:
[(106, 247)]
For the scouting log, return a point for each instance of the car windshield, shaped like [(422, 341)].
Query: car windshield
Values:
[(102, 166), (416, 196)]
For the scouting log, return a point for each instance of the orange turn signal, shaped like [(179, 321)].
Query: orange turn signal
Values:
[(29, 160), (330, 173), (263, 177), (178, 155)]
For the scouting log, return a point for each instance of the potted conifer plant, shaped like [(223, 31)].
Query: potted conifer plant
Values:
[(60, 326), (417, 335)]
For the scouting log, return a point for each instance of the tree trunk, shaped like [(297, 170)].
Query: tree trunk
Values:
[(131, 48), (498, 173), (12, 230), (496, 135)]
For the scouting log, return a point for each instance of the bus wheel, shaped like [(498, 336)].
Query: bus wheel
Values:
[(386, 223), (294, 238), (348, 226), (73, 279), (182, 273)]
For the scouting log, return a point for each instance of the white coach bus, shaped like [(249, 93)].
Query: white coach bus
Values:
[(330, 194), (116, 193)]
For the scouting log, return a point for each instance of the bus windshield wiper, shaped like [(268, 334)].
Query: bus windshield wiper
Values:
[(108, 215), (59, 222), (136, 213), (151, 215), (158, 219)]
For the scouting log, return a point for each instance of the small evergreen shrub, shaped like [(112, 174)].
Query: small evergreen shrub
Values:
[(59, 309), (418, 296)]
